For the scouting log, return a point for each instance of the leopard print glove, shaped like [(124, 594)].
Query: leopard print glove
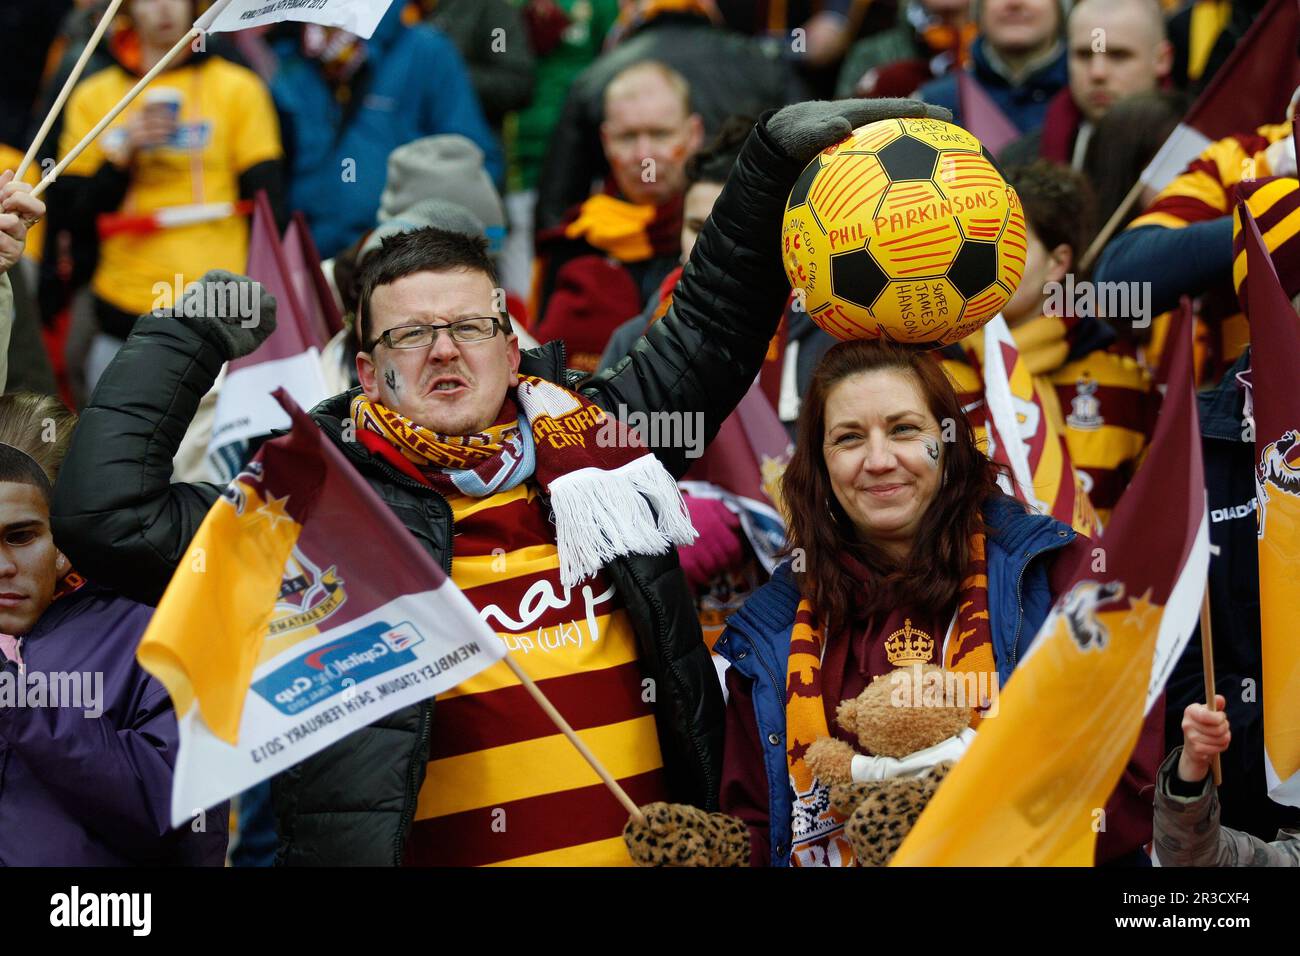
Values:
[(675, 834)]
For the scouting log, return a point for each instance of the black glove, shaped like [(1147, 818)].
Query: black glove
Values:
[(802, 130), (231, 311)]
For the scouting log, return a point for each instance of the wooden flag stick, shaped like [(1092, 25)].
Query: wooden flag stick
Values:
[(1108, 230), (1207, 658), (73, 77), (574, 739), (122, 104)]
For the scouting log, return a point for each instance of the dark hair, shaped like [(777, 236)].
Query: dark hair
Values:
[(1058, 203), (20, 468), (712, 164), (820, 528), (1122, 143), (421, 250)]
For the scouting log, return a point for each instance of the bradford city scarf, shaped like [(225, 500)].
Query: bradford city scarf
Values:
[(817, 831), (609, 495)]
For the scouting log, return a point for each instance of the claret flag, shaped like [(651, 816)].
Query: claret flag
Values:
[(1274, 357), (1023, 436), (288, 359), (303, 611)]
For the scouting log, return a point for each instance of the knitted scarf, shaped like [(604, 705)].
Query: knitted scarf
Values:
[(610, 497), (817, 831), (626, 231)]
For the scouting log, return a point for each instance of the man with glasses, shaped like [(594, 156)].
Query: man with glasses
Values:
[(509, 469)]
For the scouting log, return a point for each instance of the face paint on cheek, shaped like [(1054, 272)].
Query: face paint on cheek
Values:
[(931, 450), (391, 379)]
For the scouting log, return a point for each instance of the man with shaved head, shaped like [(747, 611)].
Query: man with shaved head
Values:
[(1116, 48)]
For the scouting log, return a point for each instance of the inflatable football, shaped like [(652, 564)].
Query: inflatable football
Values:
[(904, 231)]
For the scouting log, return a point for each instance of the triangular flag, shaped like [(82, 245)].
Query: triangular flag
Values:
[(1027, 790), (1251, 89), (289, 358), (1274, 358), (981, 116), (274, 642)]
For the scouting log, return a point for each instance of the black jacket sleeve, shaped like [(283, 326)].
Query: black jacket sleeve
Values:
[(116, 513), (86, 197), (701, 358), (268, 176)]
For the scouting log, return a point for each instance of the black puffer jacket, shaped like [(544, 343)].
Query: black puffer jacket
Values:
[(121, 522)]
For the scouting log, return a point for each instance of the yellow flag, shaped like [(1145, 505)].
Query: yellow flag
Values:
[(1032, 788), (233, 573), (1274, 353)]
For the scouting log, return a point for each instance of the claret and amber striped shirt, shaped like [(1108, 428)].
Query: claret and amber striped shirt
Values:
[(503, 785), (1102, 403)]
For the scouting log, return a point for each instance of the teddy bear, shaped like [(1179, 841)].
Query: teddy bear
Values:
[(913, 737)]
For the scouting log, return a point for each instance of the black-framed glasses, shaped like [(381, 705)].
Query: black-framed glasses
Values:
[(476, 329)]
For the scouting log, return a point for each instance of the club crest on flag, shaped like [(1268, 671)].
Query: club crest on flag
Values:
[(1278, 470), (308, 595), (1078, 612)]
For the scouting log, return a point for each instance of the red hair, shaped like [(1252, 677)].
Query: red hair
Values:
[(819, 528)]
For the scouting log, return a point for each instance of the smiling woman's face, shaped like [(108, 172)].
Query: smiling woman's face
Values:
[(884, 456)]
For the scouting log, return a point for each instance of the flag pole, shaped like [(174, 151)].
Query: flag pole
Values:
[(1108, 230), (1207, 660), (73, 77), (200, 27), (559, 721), (112, 114)]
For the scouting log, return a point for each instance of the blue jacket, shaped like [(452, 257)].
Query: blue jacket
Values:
[(414, 84), (89, 782), (1024, 104), (1019, 551)]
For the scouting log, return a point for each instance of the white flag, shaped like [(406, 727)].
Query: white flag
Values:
[(356, 16)]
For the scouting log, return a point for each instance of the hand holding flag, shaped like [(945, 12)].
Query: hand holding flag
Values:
[(275, 639)]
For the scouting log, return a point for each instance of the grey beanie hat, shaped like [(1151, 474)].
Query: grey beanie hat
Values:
[(446, 167), (439, 213)]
